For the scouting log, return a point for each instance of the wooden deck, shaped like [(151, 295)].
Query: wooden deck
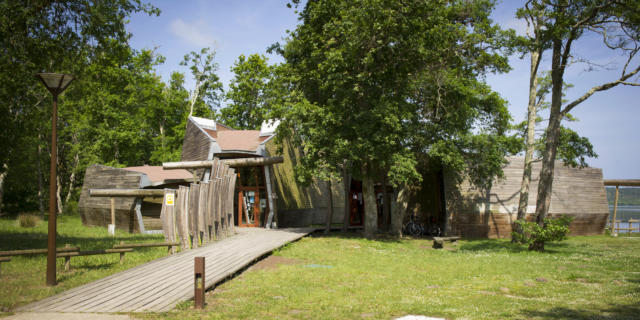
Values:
[(160, 284)]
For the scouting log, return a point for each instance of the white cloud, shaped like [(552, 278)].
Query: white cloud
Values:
[(195, 33)]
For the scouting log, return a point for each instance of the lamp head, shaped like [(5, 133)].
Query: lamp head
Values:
[(55, 82)]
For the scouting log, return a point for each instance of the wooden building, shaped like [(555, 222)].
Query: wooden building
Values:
[(270, 195), (576, 192), (134, 214)]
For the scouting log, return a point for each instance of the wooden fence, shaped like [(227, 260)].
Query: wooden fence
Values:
[(202, 212)]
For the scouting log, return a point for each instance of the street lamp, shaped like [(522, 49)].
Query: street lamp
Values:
[(55, 83)]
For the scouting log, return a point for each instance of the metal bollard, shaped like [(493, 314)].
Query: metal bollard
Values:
[(199, 282)]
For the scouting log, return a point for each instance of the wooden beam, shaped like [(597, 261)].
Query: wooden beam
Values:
[(35, 251), (234, 163), (622, 182), (126, 192), (615, 210)]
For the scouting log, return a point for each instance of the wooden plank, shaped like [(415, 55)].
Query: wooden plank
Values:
[(242, 162), (159, 285), (126, 192), (35, 251), (202, 209), (194, 193), (145, 245)]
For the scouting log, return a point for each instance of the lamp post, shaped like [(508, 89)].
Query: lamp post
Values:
[(55, 83)]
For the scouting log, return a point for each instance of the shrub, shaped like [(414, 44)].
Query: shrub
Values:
[(536, 236), (28, 220)]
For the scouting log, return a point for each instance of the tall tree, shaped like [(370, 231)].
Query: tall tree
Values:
[(249, 93), (618, 23), (48, 36), (207, 93), (382, 78)]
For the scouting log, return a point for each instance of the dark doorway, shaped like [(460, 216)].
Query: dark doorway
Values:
[(356, 202)]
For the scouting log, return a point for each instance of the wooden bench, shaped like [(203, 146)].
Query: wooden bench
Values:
[(67, 248), (438, 242), (67, 255), (4, 259), (123, 245)]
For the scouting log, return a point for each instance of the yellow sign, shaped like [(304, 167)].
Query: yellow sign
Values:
[(169, 199)]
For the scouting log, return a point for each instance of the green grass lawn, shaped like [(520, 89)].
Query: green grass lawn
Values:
[(347, 277), (22, 280)]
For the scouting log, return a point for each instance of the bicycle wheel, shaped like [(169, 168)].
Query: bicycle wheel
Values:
[(414, 229), (434, 231)]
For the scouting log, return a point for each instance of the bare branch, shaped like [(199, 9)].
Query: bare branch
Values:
[(595, 89), (635, 84)]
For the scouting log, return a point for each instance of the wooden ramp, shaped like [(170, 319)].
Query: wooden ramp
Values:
[(160, 284)]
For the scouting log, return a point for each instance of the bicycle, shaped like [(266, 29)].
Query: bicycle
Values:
[(413, 228)]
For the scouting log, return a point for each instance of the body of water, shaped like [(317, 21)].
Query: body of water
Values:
[(624, 214)]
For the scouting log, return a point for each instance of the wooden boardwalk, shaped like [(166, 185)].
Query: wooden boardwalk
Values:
[(160, 284)]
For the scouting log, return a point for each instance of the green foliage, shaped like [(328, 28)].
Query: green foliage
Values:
[(385, 83), (26, 220), (117, 111), (250, 93), (206, 97), (535, 235), (573, 149)]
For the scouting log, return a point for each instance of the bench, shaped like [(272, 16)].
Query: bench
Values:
[(123, 245), (438, 242), (67, 248), (67, 255), (4, 259)]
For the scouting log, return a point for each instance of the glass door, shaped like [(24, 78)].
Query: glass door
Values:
[(252, 204)]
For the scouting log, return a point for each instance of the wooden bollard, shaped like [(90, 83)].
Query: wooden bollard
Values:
[(199, 284)]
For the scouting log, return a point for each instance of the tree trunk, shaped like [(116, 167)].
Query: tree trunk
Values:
[(385, 204), (529, 142), (329, 209), (72, 178), (370, 208), (548, 160), (59, 187), (40, 179), (2, 176), (347, 197), (399, 211)]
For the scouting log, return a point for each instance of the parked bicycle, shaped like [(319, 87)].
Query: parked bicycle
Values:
[(412, 227)]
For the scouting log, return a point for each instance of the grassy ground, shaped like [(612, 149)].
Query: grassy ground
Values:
[(23, 278), (346, 277)]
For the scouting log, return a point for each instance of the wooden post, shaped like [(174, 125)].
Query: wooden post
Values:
[(113, 216), (615, 210), (199, 282)]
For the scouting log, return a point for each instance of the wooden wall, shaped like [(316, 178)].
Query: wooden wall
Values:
[(195, 146), (576, 192), (300, 205), (96, 211)]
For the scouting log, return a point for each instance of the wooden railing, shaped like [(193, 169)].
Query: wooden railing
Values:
[(619, 183)]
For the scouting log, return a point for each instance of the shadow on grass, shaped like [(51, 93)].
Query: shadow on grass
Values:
[(618, 312), (506, 245), (491, 245), (356, 234)]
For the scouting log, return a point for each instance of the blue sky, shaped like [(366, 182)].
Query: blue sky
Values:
[(610, 119)]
